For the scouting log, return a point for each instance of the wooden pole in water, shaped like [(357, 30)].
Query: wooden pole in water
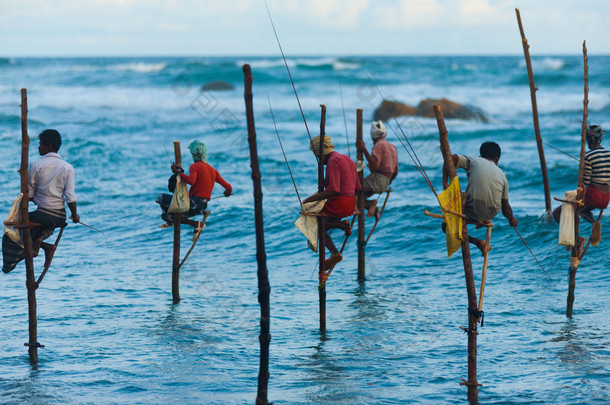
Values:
[(533, 89), (261, 257), (576, 250), (471, 383), (321, 227), (361, 230), (26, 236), (177, 218)]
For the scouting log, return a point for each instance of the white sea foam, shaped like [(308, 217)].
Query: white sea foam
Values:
[(546, 64), (139, 67)]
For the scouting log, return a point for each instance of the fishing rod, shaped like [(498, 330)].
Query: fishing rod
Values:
[(283, 153), (412, 154), (344, 118), (89, 226), (533, 255), (221, 196), (288, 70)]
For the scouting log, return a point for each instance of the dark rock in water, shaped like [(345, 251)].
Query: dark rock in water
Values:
[(450, 109), (387, 109), (219, 85)]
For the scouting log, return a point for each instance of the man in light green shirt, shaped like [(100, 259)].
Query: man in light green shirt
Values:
[(487, 189)]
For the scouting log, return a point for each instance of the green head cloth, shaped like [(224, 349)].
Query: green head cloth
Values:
[(199, 151)]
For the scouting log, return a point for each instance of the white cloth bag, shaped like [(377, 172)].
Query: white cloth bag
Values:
[(567, 233)]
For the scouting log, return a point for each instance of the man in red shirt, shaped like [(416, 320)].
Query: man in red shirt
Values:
[(201, 178), (340, 187), (383, 164)]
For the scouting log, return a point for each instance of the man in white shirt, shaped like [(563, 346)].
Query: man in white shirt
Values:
[(51, 186)]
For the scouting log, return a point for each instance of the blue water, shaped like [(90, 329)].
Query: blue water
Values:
[(105, 313)]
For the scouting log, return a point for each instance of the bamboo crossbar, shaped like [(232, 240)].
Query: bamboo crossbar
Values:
[(568, 201), (22, 224)]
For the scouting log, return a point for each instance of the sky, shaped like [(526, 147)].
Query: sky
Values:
[(305, 27)]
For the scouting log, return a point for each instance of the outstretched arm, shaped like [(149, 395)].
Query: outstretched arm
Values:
[(507, 211), (455, 159)]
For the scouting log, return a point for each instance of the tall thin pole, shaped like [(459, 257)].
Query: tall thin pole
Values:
[(261, 257), (321, 226), (471, 383), (576, 250), (361, 231), (533, 89), (177, 218), (26, 236)]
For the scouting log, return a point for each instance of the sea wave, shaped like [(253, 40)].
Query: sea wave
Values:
[(139, 67), (312, 63), (546, 64)]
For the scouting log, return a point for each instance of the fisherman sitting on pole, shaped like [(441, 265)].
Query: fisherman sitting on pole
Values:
[(340, 187), (51, 186), (595, 179), (487, 189), (201, 179), (383, 164)]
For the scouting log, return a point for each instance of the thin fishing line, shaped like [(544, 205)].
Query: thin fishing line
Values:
[(412, 153), (288, 70), (344, 118), (283, 153), (533, 255)]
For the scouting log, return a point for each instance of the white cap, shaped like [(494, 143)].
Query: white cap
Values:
[(378, 130)]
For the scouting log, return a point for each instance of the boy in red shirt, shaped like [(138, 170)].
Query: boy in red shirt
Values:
[(201, 178)]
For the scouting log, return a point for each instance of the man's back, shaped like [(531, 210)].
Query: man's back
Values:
[(341, 175), (597, 167), (51, 182), (387, 156), (487, 187)]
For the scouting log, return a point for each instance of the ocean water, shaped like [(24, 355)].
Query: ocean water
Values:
[(105, 311)]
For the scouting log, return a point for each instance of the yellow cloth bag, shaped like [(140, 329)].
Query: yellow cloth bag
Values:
[(451, 200)]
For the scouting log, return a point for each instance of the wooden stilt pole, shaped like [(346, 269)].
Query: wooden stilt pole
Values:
[(484, 273), (361, 222), (321, 226), (261, 257), (471, 383), (577, 249), (533, 89), (176, 257), (30, 282)]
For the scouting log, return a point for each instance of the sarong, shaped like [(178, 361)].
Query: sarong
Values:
[(596, 199), (198, 206), (340, 207), (374, 183), (49, 219)]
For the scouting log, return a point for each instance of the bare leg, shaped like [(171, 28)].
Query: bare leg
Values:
[(336, 223), (371, 207), (585, 213), (335, 256), (481, 244), (557, 214), (36, 246), (49, 251)]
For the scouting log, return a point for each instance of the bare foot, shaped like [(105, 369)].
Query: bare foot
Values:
[(332, 261), (49, 251), (372, 208), (377, 214), (596, 234), (346, 227), (484, 247)]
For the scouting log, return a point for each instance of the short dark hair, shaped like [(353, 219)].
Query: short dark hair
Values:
[(490, 150), (50, 137)]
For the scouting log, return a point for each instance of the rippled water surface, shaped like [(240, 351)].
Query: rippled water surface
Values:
[(105, 314)]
